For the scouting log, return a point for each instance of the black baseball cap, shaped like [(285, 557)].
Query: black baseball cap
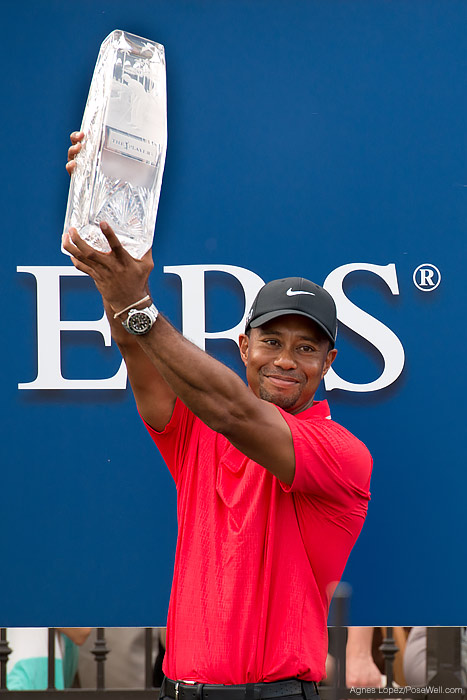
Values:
[(294, 295)]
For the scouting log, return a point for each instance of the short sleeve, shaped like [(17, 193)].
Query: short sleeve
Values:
[(173, 441), (330, 462)]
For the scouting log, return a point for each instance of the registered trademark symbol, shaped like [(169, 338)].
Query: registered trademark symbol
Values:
[(426, 277)]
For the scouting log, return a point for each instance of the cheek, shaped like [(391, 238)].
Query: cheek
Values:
[(253, 371), (316, 371)]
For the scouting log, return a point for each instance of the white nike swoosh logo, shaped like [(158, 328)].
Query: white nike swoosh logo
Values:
[(292, 292)]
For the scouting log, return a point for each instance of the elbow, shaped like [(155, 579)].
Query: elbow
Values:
[(81, 635), (78, 635)]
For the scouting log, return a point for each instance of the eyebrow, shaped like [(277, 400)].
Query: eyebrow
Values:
[(274, 331)]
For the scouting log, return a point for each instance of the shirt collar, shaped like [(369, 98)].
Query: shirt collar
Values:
[(320, 409)]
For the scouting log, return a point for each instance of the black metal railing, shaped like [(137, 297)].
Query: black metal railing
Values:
[(444, 670), (100, 652)]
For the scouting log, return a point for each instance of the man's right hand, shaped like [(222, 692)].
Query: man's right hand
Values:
[(76, 139)]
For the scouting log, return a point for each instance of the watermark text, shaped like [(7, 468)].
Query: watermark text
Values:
[(401, 690)]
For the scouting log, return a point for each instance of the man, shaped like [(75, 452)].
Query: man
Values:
[(272, 494)]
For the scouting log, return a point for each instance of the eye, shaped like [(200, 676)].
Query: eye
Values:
[(307, 348), (272, 342)]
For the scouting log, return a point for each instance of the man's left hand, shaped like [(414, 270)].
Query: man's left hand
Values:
[(120, 278)]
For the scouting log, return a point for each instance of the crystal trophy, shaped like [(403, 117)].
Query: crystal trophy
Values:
[(119, 169)]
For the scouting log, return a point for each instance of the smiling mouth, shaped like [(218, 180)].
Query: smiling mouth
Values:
[(282, 382)]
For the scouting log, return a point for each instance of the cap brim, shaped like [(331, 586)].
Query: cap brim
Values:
[(260, 320)]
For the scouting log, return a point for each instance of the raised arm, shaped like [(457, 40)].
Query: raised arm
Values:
[(211, 390)]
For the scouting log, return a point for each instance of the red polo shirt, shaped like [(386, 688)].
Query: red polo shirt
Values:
[(257, 561)]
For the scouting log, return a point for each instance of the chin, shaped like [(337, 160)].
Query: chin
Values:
[(285, 402)]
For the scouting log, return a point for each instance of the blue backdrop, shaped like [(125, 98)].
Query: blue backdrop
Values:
[(303, 136)]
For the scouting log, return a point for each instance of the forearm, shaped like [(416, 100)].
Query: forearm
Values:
[(154, 398), (361, 670)]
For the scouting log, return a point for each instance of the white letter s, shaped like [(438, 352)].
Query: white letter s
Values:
[(366, 326)]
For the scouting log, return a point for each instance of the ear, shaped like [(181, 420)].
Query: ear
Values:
[(243, 343), (331, 356)]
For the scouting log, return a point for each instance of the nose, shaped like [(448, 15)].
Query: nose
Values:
[(285, 360)]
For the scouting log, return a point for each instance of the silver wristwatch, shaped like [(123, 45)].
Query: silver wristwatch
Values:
[(140, 321)]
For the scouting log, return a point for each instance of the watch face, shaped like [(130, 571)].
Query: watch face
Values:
[(139, 322)]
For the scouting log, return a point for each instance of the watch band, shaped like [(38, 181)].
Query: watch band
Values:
[(140, 321)]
